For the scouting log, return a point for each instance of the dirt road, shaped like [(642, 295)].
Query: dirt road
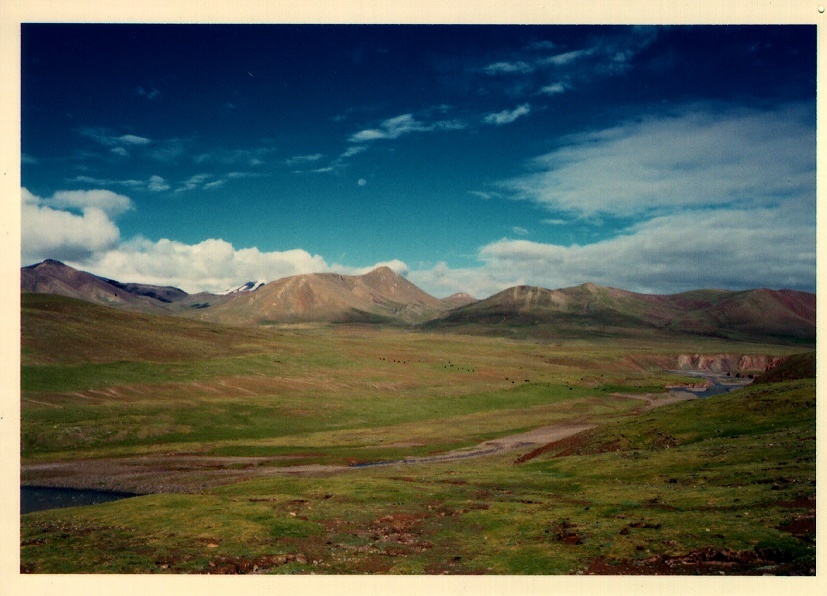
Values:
[(194, 473)]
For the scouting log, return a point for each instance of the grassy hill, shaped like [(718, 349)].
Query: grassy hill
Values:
[(57, 329)]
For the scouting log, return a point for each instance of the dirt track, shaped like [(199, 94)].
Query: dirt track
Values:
[(193, 473)]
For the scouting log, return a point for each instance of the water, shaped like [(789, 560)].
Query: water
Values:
[(40, 498), (721, 383)]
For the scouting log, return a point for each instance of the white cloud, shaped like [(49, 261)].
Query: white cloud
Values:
[(485, 195), (730, 249), (519, 230), (370, 134), (507, 67), (133, 140), (119, 151), (154, 184), (567, 57), (442, 281), (157, 184), (554, 89), (108, 138), (698, 158), (212, 265), (542, 45), (198, 181), (507, 116), (391, 128), (302, 159), (110, 203), (351, 151), (47, 232)]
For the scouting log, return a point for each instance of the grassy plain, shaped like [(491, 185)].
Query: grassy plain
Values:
[(725, 484)]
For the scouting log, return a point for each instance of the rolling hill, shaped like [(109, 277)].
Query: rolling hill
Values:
[(380, 296), (777, 315)]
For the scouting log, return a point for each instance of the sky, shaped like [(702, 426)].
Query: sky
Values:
[(467, 158)]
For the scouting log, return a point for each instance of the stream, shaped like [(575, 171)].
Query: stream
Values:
[(719, 383), (40, 498)]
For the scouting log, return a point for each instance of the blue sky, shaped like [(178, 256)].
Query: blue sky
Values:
[(468, 158)]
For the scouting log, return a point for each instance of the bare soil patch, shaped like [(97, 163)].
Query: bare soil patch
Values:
[(705, 561)]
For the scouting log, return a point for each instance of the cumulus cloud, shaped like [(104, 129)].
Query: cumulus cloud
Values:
[(507, 116), (697, 158), (212, 265), (108, 202), (48, 231)]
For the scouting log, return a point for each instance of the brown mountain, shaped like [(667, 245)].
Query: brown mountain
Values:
[(53, 277), (381, 296), (588, 309), (457, 300)]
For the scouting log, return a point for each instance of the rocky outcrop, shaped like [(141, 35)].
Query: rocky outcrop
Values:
[(727, 362)]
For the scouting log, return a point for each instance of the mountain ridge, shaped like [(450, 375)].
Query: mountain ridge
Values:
[(382, 296), (732, 314)]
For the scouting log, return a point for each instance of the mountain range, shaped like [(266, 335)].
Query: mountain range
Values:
[(382, 296)]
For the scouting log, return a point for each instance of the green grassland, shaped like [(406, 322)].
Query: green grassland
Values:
[(724, 484)]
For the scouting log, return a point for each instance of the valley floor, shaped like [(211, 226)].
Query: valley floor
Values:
[(509, 457)]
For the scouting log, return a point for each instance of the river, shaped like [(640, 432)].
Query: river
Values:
[(40, 498), (718, 383)]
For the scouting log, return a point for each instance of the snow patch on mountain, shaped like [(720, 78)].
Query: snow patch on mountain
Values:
[(250, 286)]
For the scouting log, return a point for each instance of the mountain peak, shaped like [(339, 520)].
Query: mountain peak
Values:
[(47, 264), (383, 271)]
